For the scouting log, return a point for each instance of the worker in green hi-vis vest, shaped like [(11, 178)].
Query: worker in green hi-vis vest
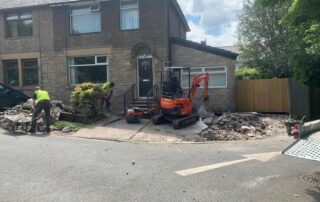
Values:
[(41, 101)]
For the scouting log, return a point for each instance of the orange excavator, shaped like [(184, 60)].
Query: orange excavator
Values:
[(176, 103)]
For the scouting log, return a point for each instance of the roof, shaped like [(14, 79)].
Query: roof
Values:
[(7, 4), (184, 20), (234, 49), (204, 48)]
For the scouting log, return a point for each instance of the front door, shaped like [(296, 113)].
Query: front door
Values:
[(145, 75)]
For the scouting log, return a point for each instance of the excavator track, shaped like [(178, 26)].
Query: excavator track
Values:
[(185, 121)]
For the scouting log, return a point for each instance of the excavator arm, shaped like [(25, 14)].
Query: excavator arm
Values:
[(196, 83)]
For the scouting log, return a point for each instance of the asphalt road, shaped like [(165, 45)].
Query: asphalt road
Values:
[(65, 169)]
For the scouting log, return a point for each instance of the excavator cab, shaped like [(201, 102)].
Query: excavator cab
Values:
[(171, 83)]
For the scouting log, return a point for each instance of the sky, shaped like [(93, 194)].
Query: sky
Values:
[(215, 21)]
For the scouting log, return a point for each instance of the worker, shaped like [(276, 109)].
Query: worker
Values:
[(108, 91), (41, 101)]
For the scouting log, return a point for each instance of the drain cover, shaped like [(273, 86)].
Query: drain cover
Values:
[(306, 148), (311, 179)]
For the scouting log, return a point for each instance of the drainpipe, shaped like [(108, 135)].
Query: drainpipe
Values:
[(168, 34), (40, 51)]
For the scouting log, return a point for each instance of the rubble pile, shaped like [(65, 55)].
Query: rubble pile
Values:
[(21, 116), (236, 126)]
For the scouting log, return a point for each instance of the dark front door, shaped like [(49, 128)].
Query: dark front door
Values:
[(145, 76)]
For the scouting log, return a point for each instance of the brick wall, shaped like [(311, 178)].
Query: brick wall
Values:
[(221, 100)]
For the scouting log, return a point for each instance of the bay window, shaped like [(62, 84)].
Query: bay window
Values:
[(129, 10), (85, 19), (88, 69)]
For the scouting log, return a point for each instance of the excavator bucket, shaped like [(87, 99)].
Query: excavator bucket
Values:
[(204, 107)]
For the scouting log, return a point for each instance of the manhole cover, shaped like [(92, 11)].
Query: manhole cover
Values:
[(311, 179)]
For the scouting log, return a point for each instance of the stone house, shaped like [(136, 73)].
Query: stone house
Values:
[(61, 43)]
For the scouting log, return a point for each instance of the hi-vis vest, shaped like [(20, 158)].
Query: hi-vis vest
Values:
[(42, 95)]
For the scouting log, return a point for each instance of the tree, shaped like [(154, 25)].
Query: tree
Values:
[(264, 42)]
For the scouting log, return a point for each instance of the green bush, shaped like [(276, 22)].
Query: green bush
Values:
[(248, 73), (88, 98)]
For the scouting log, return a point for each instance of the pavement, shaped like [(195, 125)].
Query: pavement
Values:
[(145, 131), (53, 168)]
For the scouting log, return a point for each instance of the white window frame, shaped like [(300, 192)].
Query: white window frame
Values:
[(202, 71), (133, 7), (89, 12), (95, 64)]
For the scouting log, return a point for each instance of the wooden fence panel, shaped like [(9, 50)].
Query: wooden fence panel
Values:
[(262, 95)]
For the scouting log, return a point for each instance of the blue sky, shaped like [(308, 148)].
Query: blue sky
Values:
[(215, 21)]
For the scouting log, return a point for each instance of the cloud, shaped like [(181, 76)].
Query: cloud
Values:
[(218, 15)]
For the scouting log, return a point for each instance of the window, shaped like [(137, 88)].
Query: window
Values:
[(218, 76), (11, 72), (85, 19), (129, 14), (88, 69), (30, 72), (19, 24)]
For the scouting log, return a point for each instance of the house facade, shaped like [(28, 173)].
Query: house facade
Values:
[(58, 44)]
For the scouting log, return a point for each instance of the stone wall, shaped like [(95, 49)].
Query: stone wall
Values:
[(221, 99)]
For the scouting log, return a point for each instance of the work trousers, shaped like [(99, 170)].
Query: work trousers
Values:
[(42, 105)]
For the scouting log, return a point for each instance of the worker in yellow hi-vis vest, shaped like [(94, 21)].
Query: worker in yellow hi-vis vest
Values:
[(107, 94), (41, 101)]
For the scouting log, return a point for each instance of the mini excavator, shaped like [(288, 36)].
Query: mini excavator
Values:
[(176, 106)]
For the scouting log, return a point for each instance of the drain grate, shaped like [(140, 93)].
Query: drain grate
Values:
[(306, 148), (311, 179)]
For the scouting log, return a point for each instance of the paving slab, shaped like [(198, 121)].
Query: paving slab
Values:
[(316, 135), (119, 130)]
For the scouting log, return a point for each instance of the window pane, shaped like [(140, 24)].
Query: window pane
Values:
[(88, 23), (80, 10), (218, 80), (12, 29), (196, 71), (25, 28), (83, 60), (95, 74), (130, 19), (129, 4), (30, 72), (13, 16), (215, 69), (30, 76), (26, 15), (11, 73), (102, 59)]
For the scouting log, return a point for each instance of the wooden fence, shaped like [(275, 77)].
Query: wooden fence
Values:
[(272, 95)]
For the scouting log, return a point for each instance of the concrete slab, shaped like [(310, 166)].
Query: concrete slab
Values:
[(168, 133), (120, 131), (316, 135)]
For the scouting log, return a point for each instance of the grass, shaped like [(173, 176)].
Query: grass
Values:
[(73, 126)]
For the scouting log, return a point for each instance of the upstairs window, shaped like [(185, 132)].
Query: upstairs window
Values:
[(19, 24), (85, 19), (129, 14)]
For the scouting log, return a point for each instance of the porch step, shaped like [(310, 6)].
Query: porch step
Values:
[(143, 104)]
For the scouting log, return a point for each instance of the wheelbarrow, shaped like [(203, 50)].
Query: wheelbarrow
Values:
[(15, 122)]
